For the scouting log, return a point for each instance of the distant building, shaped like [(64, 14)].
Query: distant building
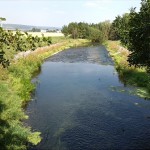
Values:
[(43, 31), (58, 31)]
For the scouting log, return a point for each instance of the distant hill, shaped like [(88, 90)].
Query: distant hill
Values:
[(27, 27)]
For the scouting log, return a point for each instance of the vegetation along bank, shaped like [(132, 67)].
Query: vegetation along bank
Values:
[(129, 75), (132, 29), (15, 90)]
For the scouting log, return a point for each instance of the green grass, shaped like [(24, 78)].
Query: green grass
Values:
[(129, 74), (58, 39)]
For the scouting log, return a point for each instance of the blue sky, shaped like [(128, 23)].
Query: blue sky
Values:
[(59, 12)]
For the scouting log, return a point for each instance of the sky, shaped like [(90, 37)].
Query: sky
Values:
[(56, 13)]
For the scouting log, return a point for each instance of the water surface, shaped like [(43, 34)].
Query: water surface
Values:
[(79, 105)]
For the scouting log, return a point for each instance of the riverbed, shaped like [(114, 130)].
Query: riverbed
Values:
[(80, 104)]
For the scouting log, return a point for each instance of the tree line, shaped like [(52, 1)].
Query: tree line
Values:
[(95, 32)]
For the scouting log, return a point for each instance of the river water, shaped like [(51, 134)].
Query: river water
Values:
[(80, 104)]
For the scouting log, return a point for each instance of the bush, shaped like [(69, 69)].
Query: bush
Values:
[(95, 35)]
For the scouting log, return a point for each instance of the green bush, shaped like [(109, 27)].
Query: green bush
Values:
[(95, 35)]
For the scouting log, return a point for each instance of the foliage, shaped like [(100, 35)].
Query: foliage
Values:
[(73, 30), (34, 138), (133, 30), (139, 36), (15, 91), (95, 35), (21, 74), (35, 30), (65, 30), (83, 30), (113, 33), (121, 27), (86, 31), (2, 19), (104, 28), (11, 44)]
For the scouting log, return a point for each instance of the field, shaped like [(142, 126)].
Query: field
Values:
[(46, 34)]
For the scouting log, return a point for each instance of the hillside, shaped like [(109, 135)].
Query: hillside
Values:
[(27, 27)]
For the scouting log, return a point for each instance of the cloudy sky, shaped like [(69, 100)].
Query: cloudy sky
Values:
[(59, 12)]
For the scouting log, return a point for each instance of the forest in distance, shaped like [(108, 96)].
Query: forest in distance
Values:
[(131, 31)]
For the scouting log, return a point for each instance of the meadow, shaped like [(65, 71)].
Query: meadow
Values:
[(46, 34)]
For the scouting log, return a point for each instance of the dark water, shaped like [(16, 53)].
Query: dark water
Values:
[(79, 105)]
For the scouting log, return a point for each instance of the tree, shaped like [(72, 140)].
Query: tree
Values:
[(113, 34), (104, 27), (1, 20), (139, 36), (65, 30), (82, 30), (73, 29), (35, 30), (121, 27), (95, 35), (95, 32)]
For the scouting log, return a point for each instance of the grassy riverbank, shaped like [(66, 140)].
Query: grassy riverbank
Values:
[(15, 90), (129, 75)]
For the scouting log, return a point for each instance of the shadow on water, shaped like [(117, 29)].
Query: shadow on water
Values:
[(76, 108)]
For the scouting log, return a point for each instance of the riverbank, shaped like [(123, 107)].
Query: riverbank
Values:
[(129, 75), (15, 91)]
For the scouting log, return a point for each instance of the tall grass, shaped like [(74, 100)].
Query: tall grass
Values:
[(129, 74)]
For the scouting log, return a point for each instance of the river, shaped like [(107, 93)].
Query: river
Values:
[(80, 104)]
